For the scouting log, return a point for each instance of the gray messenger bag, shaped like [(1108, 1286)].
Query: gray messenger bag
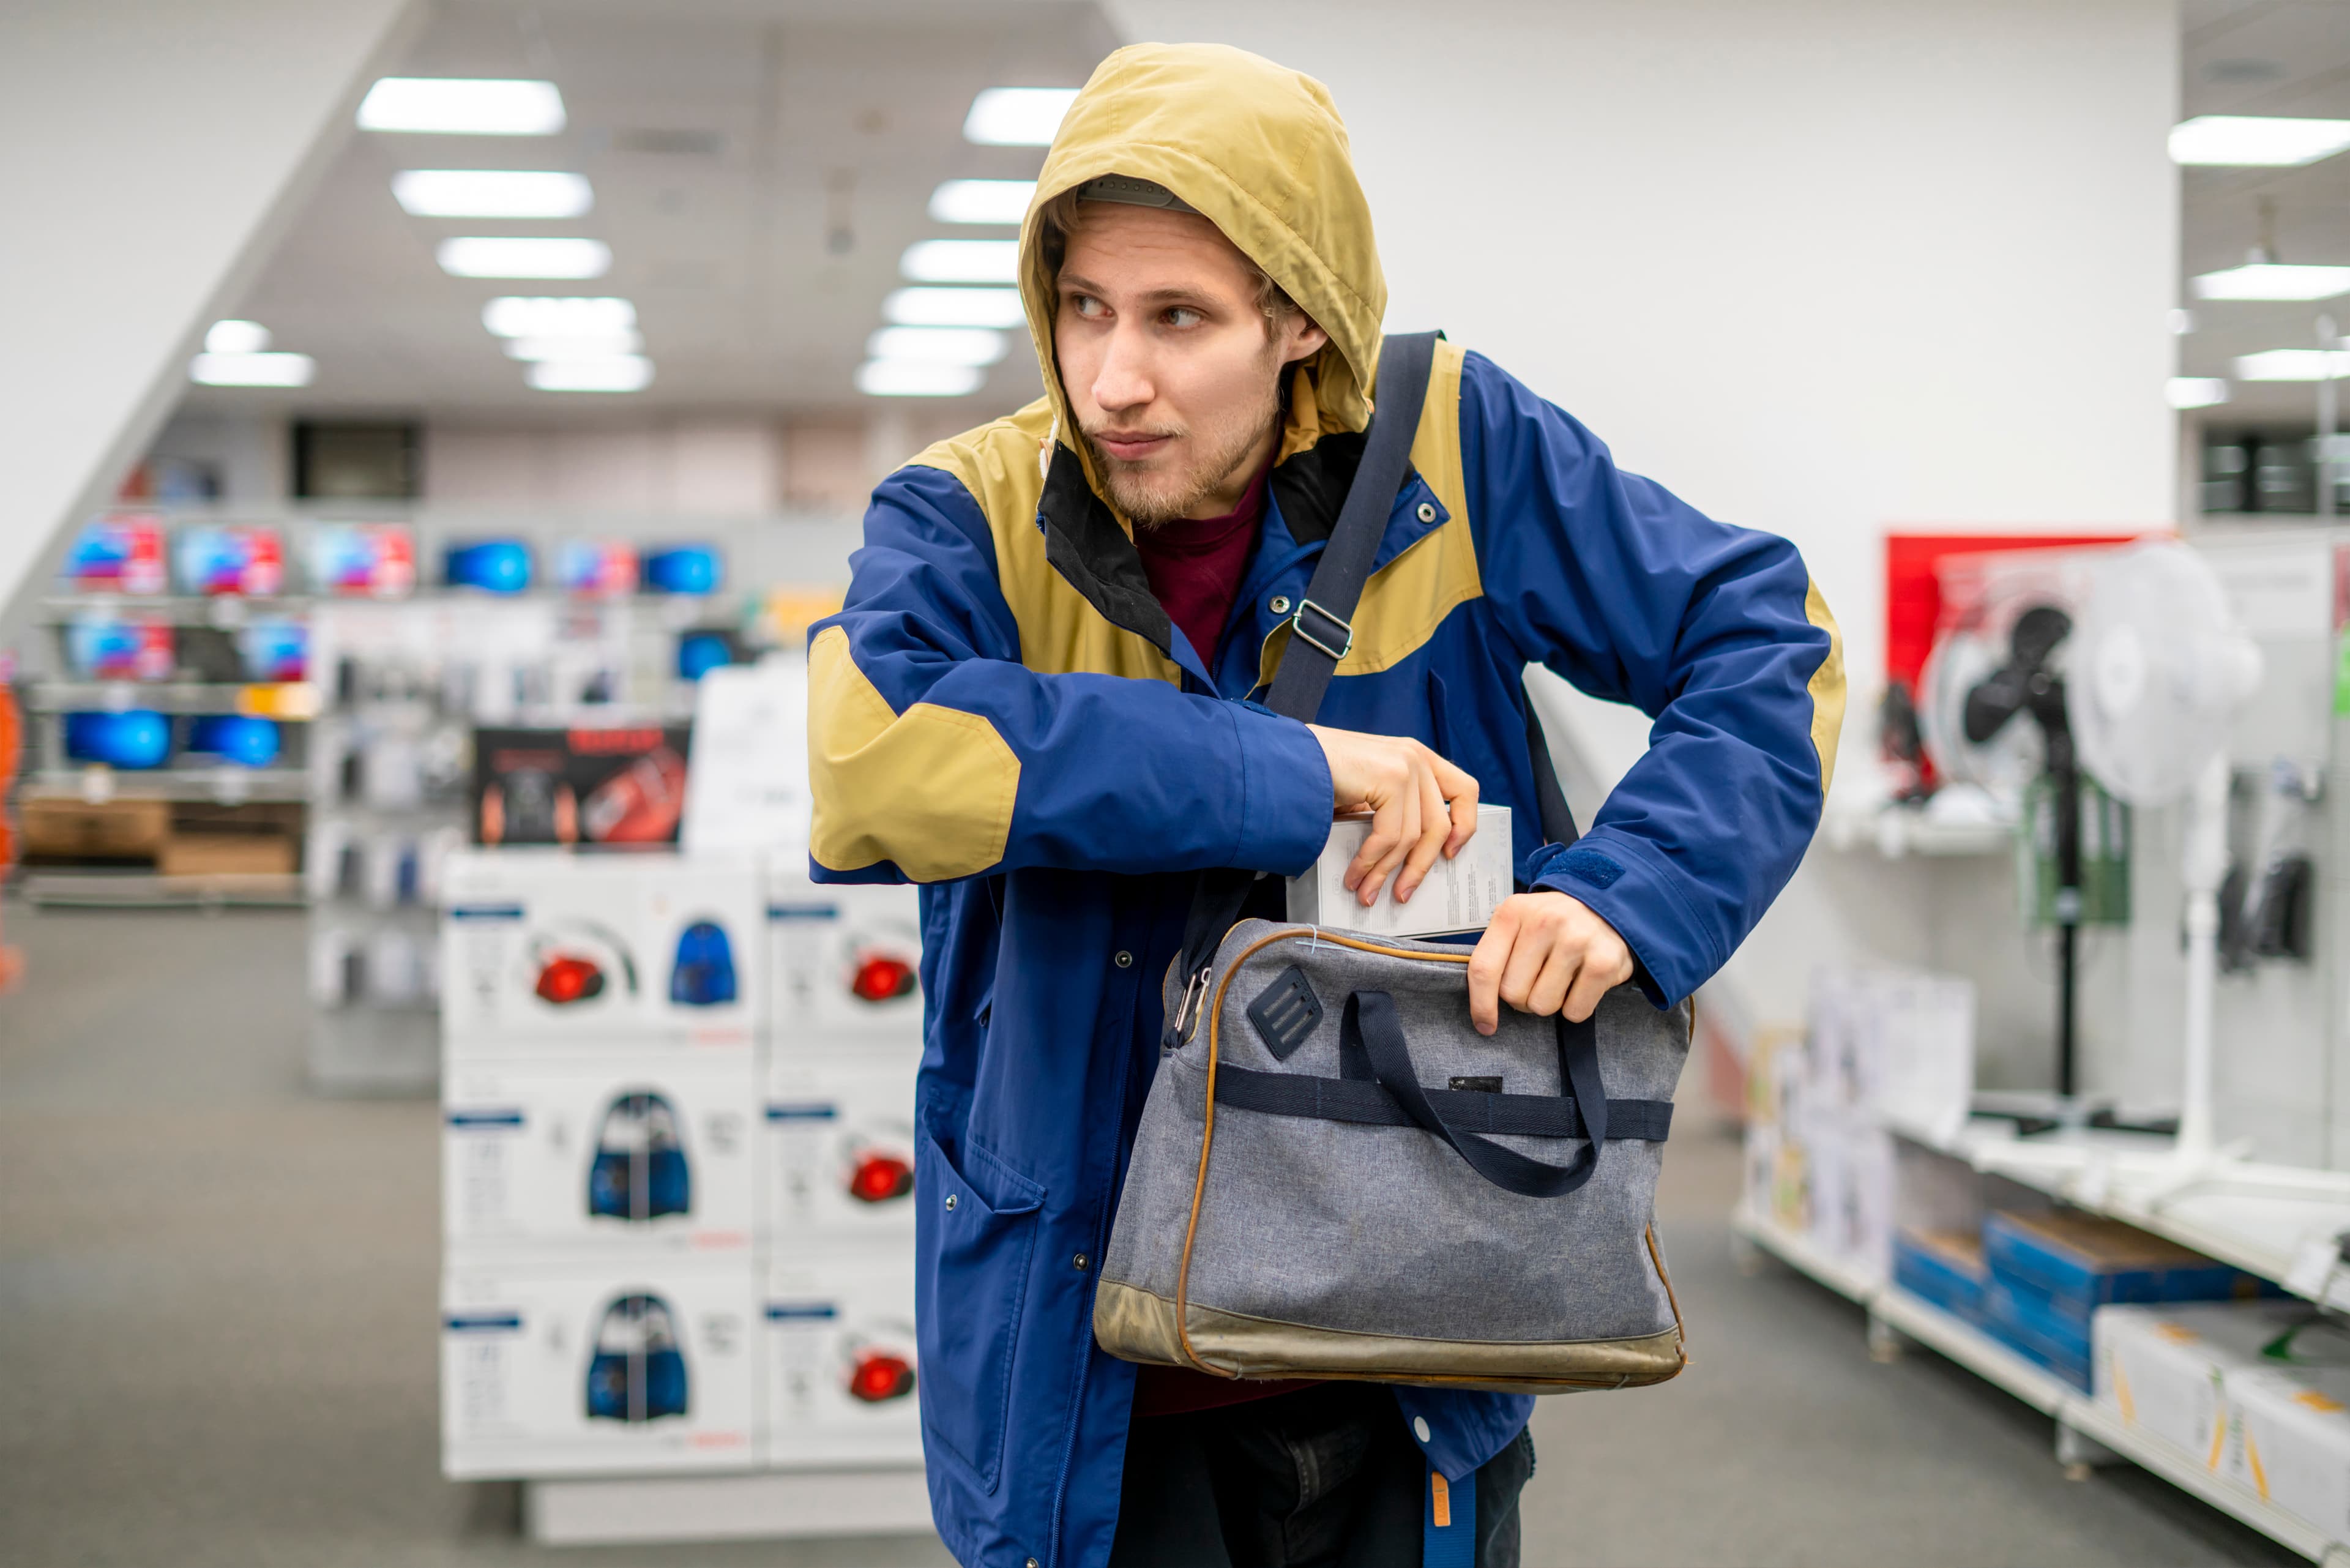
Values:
[(1336, 1176)]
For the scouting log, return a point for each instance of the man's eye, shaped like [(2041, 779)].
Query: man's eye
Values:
[(1182, 315), (1085, 305)]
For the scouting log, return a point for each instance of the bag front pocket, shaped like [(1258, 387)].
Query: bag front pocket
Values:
[(971, 1299)]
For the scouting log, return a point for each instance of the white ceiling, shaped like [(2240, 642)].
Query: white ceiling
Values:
[(2289, 57), (755, 179), (729, 140)]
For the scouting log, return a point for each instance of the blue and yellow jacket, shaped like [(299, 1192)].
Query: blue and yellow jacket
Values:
[(1003, 714)]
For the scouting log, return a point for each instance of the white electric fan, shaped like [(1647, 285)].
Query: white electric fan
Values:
[(2157, 669)]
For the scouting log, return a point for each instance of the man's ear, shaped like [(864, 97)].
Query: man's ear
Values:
[(1302, 338)]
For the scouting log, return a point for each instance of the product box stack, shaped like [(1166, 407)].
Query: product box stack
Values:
[(2258, 1392), (677, 1166)]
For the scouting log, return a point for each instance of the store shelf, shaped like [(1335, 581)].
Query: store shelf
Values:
[(146, 891), (1893, 831), (290, 702), (222, 785), (1923, 1323), (180, 610)]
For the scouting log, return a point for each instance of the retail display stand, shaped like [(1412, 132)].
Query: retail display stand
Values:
[(678, 1172)]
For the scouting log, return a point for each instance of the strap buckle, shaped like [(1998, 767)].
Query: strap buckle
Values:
[(1186, 1010), (1344, 629)]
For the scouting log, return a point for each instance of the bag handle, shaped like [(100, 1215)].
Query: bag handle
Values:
[(1370, 1025)]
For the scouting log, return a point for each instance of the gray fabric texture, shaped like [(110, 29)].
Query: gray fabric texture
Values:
[(1374, 1229)]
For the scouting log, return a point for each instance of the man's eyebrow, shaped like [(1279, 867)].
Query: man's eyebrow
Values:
[(1078, 284)]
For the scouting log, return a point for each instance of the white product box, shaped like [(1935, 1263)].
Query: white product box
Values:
[(841, 1148), (543, 949), (600, 1157), (1459, 894), (2289, 1430), (2169, 1370), (633, 1367), (844, 965), (840, 1358)]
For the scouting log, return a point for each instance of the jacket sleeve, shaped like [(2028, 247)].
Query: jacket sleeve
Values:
[(934, 753), (1716, 633)]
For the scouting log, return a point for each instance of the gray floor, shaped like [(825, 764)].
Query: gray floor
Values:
[(217, 1342)]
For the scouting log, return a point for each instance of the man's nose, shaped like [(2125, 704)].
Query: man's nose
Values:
[(1124, 380)]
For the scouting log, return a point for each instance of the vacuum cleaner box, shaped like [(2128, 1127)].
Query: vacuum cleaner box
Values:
[(841, 1364), (839, 1159), (542, 949), (843, 966), (1459, 894), (628, 1368), (2171, 1371), (600, 1157)]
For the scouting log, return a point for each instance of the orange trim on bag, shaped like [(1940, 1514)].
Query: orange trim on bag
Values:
[(1439, 1502)]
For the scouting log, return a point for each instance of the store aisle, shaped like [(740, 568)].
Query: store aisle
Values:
[(217, 1308)]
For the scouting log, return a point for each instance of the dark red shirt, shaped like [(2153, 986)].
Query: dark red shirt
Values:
[(1195, 565)]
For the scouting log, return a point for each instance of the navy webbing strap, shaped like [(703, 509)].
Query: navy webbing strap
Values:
[(1447, 1534), (1469, 1110), (1371, 1015)]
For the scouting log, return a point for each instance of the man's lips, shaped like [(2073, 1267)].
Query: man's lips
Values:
[(1132, 448)]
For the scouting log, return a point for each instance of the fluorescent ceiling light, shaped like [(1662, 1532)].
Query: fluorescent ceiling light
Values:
[(1017, 117), (2256, 142), (618, 373), (936, 345), (961, 261), (492, 193), (2293, 365), (463, 105), (896, 379), (251, 369), (2274, 280), (601, 347), (236, 338), (521, 315), (2197, 391), (507, 255), (953, 307), (981, 200)]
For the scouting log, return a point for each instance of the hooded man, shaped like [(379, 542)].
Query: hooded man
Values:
[(1036, 703)]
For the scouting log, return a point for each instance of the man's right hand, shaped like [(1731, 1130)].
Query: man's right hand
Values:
[(1420, 805)]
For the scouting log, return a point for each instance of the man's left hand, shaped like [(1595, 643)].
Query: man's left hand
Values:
[(1545, 952)]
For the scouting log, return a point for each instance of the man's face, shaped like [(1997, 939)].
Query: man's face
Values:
[(1172, 369)]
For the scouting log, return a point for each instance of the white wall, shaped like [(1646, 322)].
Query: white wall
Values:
[(147, 154), (1819, 265)]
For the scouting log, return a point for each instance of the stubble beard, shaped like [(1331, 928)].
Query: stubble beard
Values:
[(1149, 500)]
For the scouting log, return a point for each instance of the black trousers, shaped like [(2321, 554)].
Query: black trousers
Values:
[(1324, 1478)]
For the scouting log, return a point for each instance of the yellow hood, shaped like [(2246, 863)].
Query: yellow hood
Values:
[(1260, 151)]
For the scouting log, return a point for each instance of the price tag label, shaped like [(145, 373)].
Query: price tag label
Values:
[(2312, 1267)]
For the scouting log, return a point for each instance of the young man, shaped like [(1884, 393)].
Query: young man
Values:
[(1036, 705)]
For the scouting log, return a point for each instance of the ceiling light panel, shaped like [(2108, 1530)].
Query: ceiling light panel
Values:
[(620, 373), (236, 338), (936, 345), (961, 261), (523, 315), (2293, 365), (492, 193), (2274, 280), (1017, 117), (463, 105), (981, 200), (211, 370), (2253, 142), (596, 348), (524, 257), (896, 379), (2197, 391), (953, 307)]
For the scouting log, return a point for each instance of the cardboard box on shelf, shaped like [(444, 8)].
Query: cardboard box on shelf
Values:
[(636, 1367), (228, 854), (1943, 1267), (2078, 1263), (2170, 1371), (598, 1158), (2289, 1438), (543, 949), (841, 1148), (843, 966), (841, 1362), (62, 829)]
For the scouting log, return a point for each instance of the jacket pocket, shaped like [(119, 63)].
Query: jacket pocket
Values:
[(971, 1299)]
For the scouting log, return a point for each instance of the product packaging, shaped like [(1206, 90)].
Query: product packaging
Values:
[(229, 558), (2289, 1441), (1944, 1268), (2172, 1371), (2078, 1263), (581, 785), (557, 1158), (1460, 894), (840, 1358), (120, 555), (596, 568), (363, 560), (843, 966), (105, 647), (839, 1148), (541, 947), (638, 1366)]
